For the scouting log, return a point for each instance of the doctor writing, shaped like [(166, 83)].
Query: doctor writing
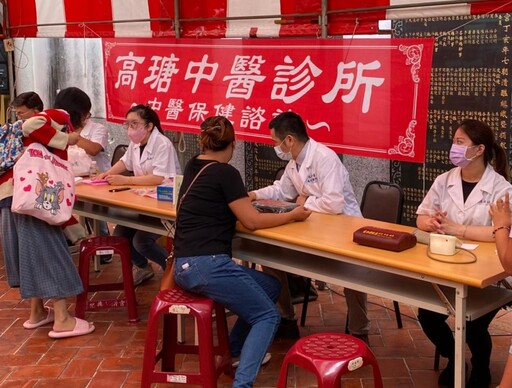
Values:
[(458, 204), (315, 178), (152, 157)]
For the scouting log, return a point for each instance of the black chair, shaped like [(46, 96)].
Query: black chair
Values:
[(383, 201), (118, 153)]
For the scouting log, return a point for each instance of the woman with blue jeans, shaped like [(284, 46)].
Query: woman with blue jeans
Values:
[(207, 215)]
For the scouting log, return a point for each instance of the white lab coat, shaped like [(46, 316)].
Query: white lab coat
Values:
[(158, 158), (97, 133), (446, 195), (321, 177)]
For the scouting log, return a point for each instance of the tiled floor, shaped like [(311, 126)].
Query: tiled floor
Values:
[(112, 355)]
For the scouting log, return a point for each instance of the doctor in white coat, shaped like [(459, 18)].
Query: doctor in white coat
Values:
[(316, 178), (152, 158), (458, 204)]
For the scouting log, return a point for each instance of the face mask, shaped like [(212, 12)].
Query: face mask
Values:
[(458, 155), (283, 155), (137, 134)]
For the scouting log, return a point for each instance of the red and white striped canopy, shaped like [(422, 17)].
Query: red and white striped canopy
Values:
[(213, 18)]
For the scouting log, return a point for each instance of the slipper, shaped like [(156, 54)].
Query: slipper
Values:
[(49, 319), (82, 327)]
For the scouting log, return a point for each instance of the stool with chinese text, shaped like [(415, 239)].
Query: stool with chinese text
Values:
[(213, 359), (100, 246)]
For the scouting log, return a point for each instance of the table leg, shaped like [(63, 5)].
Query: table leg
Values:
[(96, 232), (460, 335)]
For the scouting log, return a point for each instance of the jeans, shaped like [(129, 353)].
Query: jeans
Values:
[(477, 336), (248, 293), (143, 246)]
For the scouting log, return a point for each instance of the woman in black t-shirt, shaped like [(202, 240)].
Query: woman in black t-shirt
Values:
[(202, 246)]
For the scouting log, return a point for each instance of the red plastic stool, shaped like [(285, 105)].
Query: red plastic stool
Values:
[(329, 356), (97, 246), (213, 360)]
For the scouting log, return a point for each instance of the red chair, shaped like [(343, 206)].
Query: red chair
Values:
[(97, 246), (213, 360), (329, 356)]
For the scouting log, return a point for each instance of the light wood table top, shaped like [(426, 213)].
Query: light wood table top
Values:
[(330, 234)]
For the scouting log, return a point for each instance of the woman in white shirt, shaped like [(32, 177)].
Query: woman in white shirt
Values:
[(458, 204), (93, 138), (152, 158)]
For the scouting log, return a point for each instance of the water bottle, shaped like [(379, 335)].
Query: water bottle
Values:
[(93, 170)]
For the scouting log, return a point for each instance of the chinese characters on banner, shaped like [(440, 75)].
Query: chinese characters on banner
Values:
[(361, 97)]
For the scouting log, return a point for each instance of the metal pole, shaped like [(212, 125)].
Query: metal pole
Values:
[(177, 31), (10, 58), (402, 6), (323, 18)]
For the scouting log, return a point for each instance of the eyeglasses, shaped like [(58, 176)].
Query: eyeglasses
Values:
[(132, 124)]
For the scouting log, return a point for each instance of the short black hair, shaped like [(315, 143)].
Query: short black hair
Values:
[(29, 99), (76, 102), (289, 123)]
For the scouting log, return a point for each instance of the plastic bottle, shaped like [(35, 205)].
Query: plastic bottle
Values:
[(93, 170)]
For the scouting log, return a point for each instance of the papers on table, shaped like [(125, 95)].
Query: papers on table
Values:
[(95, 182)]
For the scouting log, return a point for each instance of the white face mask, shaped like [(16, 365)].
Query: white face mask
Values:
[(281, 154)]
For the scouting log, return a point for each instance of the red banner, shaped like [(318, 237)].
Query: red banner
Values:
[(361, 97)]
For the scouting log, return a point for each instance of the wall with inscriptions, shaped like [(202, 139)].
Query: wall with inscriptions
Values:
[(470, 79)]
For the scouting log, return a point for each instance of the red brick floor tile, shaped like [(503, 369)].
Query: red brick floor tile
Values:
[(81, 368), (58, 356), (112, 355)]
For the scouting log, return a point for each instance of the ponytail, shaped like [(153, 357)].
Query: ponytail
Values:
[(501, 161)]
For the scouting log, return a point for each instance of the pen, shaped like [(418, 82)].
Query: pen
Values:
[(119, 189)]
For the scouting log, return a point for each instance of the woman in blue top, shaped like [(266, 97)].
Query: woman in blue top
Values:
[(202, 247)]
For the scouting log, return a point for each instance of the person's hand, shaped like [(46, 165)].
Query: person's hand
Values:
[(301, 200), (117, 180), (433, 223), (448, 226), (252, 195), (73, 138), (300, 213), (500, 211), (100, 176)]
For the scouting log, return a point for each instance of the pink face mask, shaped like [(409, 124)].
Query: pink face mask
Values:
[(136, 135)]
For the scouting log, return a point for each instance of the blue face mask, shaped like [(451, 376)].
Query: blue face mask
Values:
[(281, 154)]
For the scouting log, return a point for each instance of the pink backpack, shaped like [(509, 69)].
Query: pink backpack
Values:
[(44, 186)]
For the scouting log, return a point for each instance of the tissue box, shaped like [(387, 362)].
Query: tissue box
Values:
[(164, 193)]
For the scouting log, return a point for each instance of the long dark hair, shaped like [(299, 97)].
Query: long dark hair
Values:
[(481, 133), (147, 114)]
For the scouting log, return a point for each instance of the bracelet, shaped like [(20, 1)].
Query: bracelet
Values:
[(500, 228)]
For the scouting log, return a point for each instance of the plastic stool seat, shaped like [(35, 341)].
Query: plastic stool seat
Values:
[(100, 245), (213, 359), (329, 356)]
